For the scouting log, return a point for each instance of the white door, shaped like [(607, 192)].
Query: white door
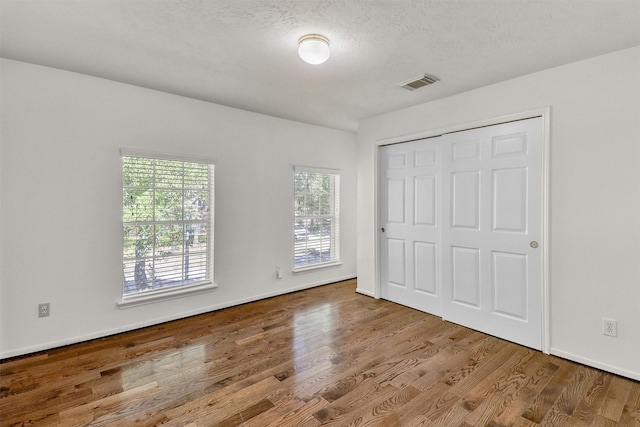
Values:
[(462, 228), (410, 220), (492, 230)]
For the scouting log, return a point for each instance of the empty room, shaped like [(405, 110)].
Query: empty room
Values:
[(304, 213)]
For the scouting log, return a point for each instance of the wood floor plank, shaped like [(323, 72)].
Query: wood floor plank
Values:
[(616, 398), (302, 416), (434, 403), (454, 417), (438, 360), (368, 390), (633, 401), (544, 401), (538, 373), (631, 412), (600, 421), (323, 356), (375, 409), (480, 365), (496, 393), (593, 399), (571, 396)]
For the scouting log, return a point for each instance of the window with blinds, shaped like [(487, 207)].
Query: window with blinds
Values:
[(166, 224), (317, 217)]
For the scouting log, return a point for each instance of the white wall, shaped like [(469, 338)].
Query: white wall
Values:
[(61, 201), (594, 195)]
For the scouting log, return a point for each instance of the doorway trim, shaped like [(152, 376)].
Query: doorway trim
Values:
[(545, 114)]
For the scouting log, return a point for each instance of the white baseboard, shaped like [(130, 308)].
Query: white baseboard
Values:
[(365, 292), (595, 364)]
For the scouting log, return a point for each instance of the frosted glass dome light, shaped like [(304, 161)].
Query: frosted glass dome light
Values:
[(314, 49)]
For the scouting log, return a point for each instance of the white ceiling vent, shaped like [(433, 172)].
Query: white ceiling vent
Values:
[(417, 82)]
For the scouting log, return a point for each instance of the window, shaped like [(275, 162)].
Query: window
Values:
[(166, 224), (316, 226)]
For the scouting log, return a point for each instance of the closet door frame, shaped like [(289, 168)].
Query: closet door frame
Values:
[(544, 113)]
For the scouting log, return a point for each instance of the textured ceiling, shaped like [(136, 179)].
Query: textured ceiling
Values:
[(242, 53)]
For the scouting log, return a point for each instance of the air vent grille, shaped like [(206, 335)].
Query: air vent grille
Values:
[(418, 82)]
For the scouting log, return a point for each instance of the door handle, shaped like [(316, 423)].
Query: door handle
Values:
[(382, 229), (533, 244)]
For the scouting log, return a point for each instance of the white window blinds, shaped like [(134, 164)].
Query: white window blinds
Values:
[(166, 221), (316, 217)]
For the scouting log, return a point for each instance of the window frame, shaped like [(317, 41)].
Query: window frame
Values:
[(335, 216), (184, 289)]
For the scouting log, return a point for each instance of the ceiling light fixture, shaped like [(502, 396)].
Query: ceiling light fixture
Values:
[(314, 49)]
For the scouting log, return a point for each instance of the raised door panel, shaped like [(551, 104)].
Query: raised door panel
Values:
[(396, 161), (510, 284), (509, 200), (425, 193), (465, 276), (426, 267), (425, 156), (465, 149), (396, 255), (465, 208), (510, 145)]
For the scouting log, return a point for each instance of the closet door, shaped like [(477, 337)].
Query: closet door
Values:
[(410, 217), (491, 255)]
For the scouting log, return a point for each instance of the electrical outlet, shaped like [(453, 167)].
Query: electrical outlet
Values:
[(44, 310), (609, 327)]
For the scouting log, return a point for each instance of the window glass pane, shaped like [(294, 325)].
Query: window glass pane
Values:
[(168, 205), (168, 270), (195, 204), (195, 176), (169, 174), (137, 172), (325, 227), (316, 218), (137, 240), (300, 184), (137, 254), (324, 203), (166, 214), (300, 205), (137, 204), (169, 239), (200, 236), (196, 265)]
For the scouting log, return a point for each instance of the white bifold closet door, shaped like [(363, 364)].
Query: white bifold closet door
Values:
[(460, 222)]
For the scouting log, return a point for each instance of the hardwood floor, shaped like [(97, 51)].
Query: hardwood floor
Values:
[(324, 356)]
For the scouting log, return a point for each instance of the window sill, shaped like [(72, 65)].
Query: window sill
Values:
[(165, 294), (315, 267)]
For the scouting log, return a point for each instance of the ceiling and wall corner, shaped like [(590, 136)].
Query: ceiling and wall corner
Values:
[(243, 54)]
